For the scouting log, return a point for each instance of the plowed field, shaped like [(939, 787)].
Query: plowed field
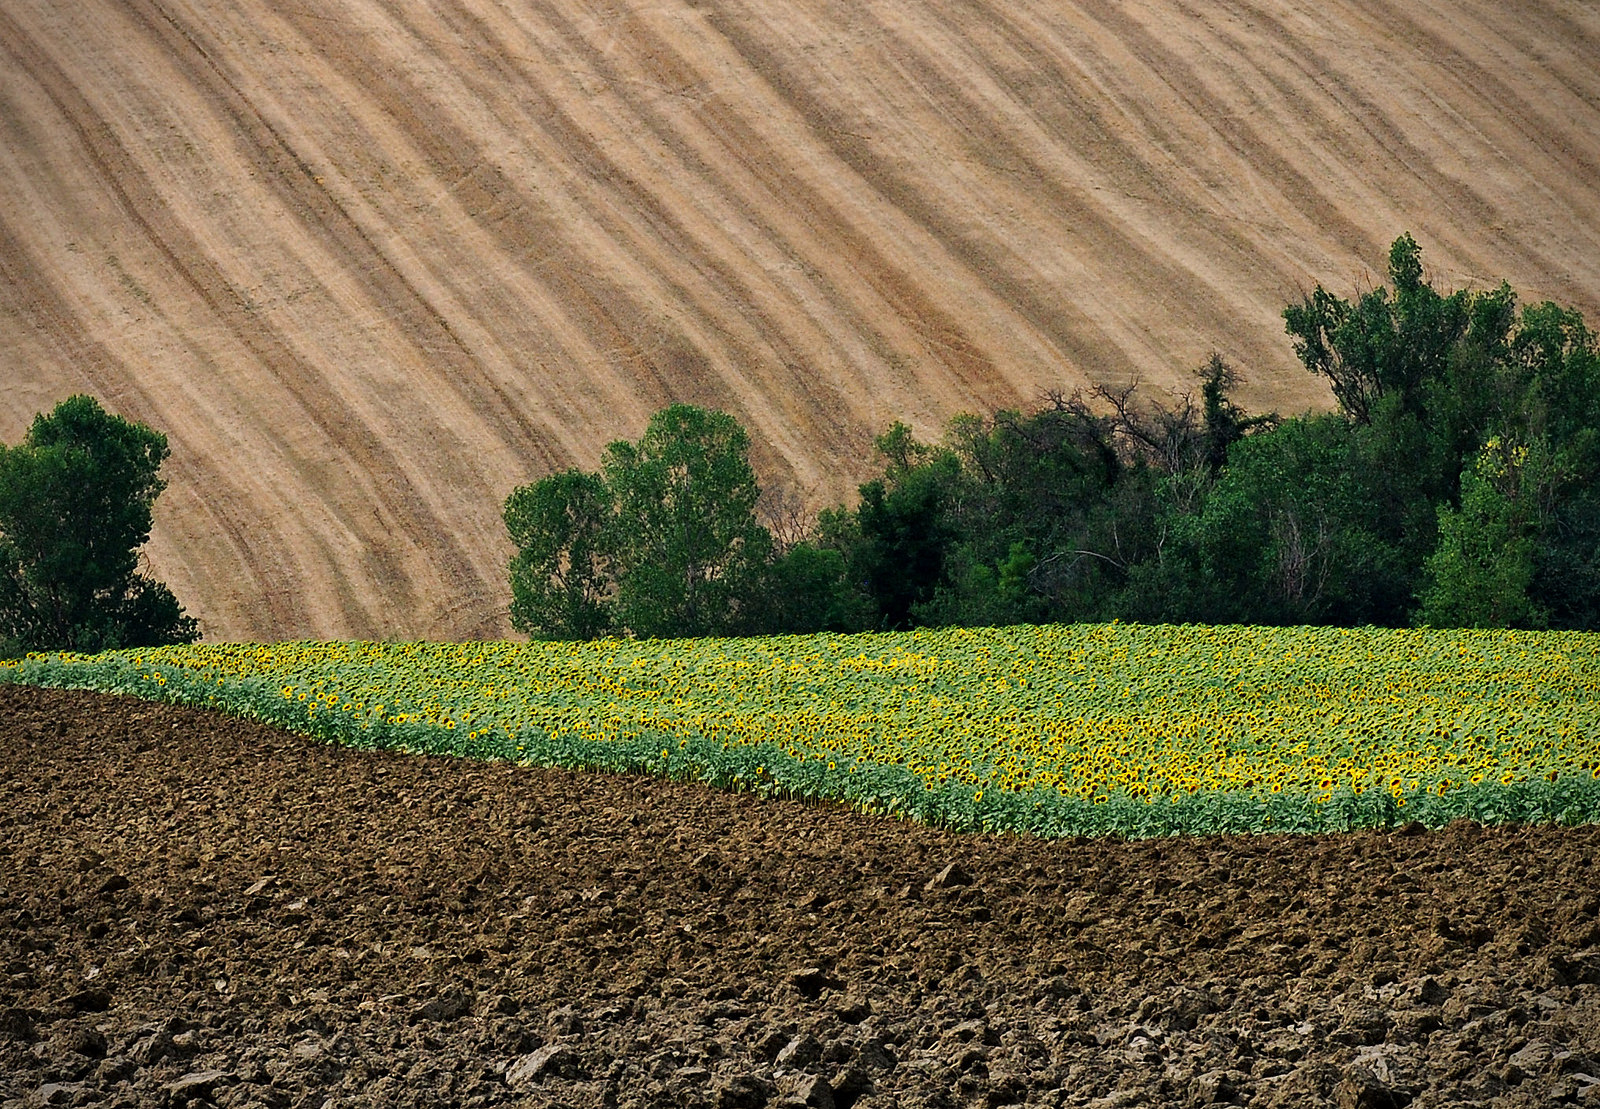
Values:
[(196, 911), (372, 263)]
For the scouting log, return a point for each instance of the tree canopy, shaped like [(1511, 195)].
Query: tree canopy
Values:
[(1454, 485), (560, 575), (684, 537), (76, 498), (662, 542)]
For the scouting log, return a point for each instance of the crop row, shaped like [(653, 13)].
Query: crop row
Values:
[(1056, 730)]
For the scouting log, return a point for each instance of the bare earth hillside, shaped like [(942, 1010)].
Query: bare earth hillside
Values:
[(372, 263)]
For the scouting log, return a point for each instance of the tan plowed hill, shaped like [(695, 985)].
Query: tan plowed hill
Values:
[(372, 263)]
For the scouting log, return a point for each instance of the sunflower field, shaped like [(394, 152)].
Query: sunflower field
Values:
[(1064, 730)]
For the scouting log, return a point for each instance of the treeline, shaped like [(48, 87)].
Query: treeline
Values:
[(1454, 486)]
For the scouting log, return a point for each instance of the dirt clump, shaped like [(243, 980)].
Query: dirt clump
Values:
[(197, 911)]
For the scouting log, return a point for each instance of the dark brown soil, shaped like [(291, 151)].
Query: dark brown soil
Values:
[(199, 911)]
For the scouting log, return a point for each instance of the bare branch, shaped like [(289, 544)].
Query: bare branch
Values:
[(786, 518)]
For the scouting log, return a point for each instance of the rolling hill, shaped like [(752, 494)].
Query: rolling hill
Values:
[(371, 263)]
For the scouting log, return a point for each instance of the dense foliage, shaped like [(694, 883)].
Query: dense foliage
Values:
[(75, 505), (664, 541), (1454, 487), (1054, 730)]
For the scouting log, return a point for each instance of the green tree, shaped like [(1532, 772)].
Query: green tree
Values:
[(75, 505), (1566, 581), (1426, 380), (980, 595), (687, 550), (665, 542), (1223, 422), (1383, 344), (1303, 526), (1479, 576), (560, 575), (902, 526), (807, 589)]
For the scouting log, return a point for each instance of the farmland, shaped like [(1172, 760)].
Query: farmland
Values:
[(1136, 730), (189, 901), (373, 264)]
